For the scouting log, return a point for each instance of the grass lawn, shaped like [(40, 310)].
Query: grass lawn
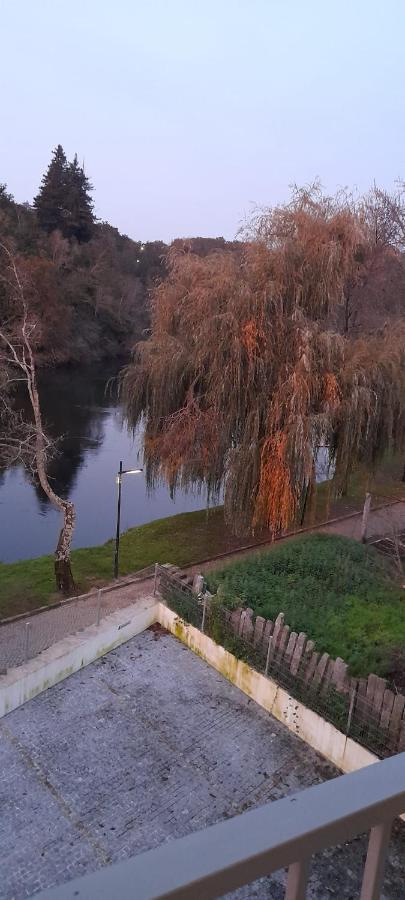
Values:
[(334, 589), (180, 539)]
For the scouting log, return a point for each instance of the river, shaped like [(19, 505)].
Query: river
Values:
[(86, 416)]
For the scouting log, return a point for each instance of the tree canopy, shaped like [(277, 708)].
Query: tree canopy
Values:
[(63, 202), (91, 296), (245, 374)]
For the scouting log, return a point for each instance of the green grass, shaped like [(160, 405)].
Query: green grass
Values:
[(180, 539), (334, 589)]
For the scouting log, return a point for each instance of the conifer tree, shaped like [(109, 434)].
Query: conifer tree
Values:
[(79, 205), (64, 201), (50, 201)]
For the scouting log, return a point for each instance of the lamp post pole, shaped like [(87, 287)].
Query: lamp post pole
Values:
[(119, 477), (117, 533)]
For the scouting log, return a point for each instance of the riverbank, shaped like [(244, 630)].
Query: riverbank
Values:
[(181, 539), (190, 537)]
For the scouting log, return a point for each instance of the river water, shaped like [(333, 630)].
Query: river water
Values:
[(87, 418)]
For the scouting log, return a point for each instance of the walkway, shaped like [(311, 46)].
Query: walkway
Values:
[(26, 637)]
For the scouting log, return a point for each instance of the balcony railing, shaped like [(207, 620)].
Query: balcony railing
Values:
[(285, 833)]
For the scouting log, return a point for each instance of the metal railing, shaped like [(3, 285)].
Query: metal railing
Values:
[(285, 833)]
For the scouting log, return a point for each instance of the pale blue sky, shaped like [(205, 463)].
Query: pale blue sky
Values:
[(187, 112)]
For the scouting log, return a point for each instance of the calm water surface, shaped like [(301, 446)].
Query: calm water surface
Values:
[(88, 418)]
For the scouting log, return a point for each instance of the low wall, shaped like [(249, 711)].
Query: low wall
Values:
[(71, 654), (342, 751)]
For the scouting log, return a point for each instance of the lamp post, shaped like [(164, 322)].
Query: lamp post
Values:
[(118, 479)]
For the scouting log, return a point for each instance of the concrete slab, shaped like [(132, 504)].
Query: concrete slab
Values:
[(143, 746)]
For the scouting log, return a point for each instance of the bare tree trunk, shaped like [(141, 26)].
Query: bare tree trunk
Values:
[(20, 353), (63, 572)]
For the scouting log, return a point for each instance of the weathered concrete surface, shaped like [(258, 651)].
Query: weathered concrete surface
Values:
[(140, 747)]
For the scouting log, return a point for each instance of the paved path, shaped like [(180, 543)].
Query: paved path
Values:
[(146, 745), (20, 641)]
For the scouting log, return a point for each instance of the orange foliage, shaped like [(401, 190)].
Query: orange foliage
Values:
[(252, 337), (276, 501), (332, 393)]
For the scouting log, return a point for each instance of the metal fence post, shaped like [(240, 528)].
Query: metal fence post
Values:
[(365, 518), (98, 608), (27, 640), (266, 671), (155, 580), (204, 612), (351, 708)]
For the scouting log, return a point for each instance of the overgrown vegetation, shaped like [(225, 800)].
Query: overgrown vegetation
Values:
[(334, 589)]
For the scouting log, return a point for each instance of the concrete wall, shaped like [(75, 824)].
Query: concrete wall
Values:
[(345, 753), (71, 654)]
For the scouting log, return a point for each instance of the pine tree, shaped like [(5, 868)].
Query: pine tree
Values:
[(51, 199), (79, 221)]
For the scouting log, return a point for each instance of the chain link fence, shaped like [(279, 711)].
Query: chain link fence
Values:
[(25, 637)]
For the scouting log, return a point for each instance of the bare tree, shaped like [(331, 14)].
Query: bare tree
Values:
[(22, 440)]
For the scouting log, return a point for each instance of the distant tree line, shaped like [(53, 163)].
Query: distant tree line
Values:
[(89, 284)]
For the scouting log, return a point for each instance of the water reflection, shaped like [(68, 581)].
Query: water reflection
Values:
[(87, 420)]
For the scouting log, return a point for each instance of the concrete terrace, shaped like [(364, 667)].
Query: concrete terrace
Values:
[(143, 746)]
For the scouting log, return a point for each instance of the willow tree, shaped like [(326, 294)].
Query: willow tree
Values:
[(242, 379)]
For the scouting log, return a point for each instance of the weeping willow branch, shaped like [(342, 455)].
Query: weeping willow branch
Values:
[(242, 379)]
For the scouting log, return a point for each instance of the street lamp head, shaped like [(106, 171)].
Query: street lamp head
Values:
[(119, 475)]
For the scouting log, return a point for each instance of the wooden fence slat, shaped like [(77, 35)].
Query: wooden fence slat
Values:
[(371, 687), (292, 640), (321, 669), (247, 626), (395, 720), (386, 708), (258, 632), (328, 675), (401, 738), (379, 689), (235, 620), (267, 632), (310, 669), (278, 625), (339, 674), (282, 643), (298, 652)]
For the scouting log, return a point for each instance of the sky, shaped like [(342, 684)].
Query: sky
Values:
[(188, 113)]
